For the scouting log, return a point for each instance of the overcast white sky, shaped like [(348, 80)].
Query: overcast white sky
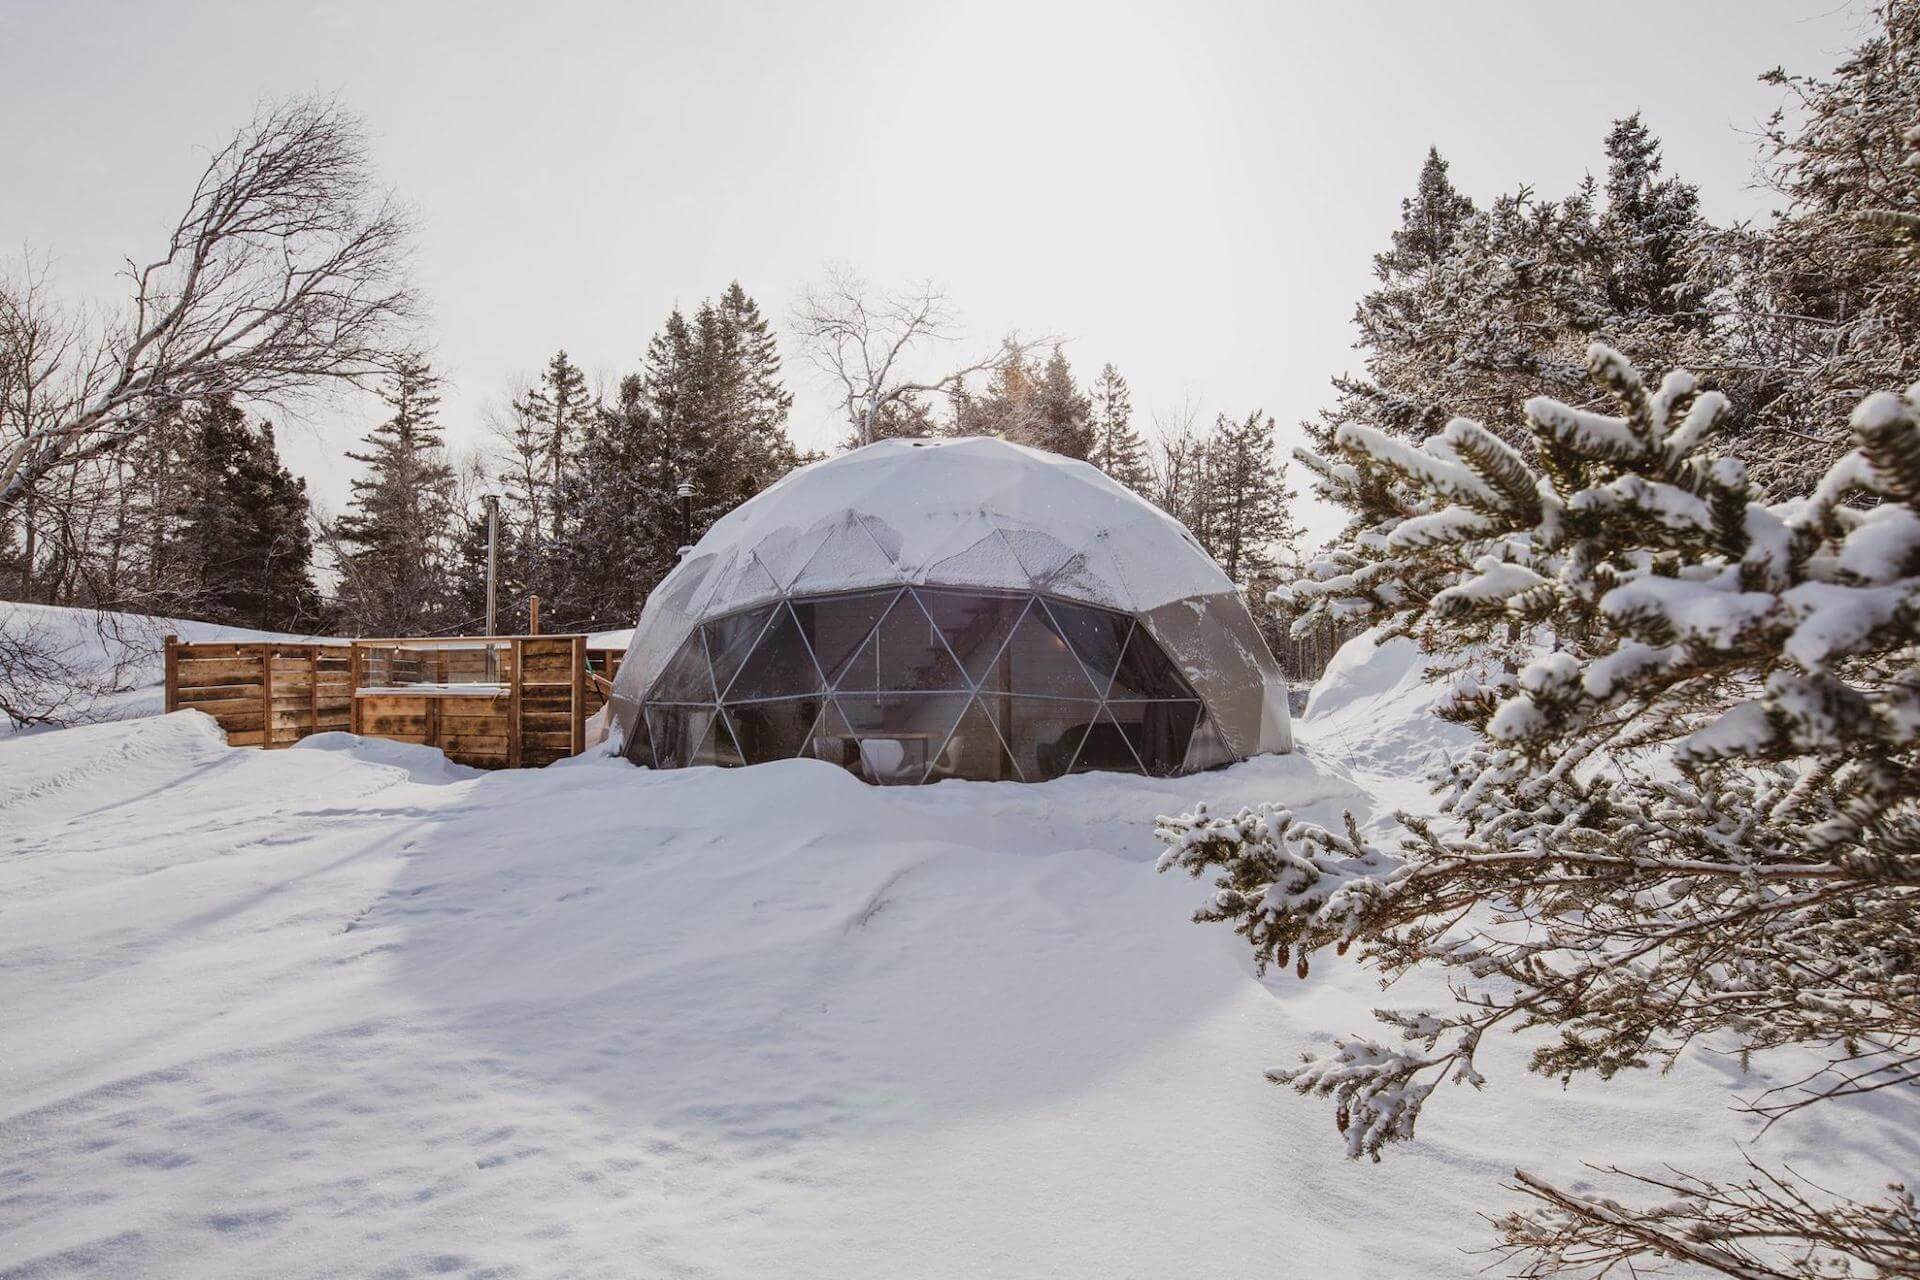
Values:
[(1192, 191)]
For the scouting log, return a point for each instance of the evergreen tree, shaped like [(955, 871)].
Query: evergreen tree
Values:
[(244, 535), (1250, 508), (1037, 405), (1475, 309), (627, 536), (395, 554), (161, 476), (1007, 406), (1829, 305), (707, 408), (1118, 449), (1758, 879), (758, 402), (554, 414), (1650, 231), (737, 408), (1063, 416)]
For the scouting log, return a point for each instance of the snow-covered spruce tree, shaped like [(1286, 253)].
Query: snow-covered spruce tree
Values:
[(1475, 308), (1696, 812), (1832, 306)]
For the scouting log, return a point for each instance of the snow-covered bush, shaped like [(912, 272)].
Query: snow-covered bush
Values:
[(1694, 807)]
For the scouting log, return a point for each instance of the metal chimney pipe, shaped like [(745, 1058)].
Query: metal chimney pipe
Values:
[(685, 492), (493, 562)]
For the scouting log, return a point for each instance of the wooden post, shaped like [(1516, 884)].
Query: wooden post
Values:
[(313, 689), (579, 694), (173, 673), (533, 615), (266, 696), (513, 706), (356, 665)]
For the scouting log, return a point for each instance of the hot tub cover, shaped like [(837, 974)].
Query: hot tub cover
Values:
[(939, 523)]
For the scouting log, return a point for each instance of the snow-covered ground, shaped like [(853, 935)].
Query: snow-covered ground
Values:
[(347, 1010)]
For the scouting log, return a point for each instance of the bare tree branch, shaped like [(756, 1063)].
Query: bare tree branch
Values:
[(859, 338), (285, 273)]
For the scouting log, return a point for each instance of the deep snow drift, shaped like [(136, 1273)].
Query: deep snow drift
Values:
[(349, 1010)]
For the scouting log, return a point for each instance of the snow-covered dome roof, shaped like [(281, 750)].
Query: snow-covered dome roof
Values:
[(968, 513), (974, 512)]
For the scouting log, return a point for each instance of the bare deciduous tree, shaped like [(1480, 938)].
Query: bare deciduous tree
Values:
[(285, 273), (860, 338)]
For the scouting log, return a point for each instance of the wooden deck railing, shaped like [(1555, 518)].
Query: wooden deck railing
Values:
[(489, 701)]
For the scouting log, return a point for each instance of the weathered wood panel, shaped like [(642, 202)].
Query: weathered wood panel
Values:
[(274, 695)]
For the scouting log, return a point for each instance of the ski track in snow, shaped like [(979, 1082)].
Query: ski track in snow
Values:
[(347, 1009)]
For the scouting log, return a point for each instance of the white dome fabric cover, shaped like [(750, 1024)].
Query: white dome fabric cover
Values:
[(976, 512)]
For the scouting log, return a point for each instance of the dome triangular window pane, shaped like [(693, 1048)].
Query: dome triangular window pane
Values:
[(975, 750), (900, 734), (976, 626), (1107, 748), (681, 735), (1158, 732), (1097, 637), (1044, 733), (838, 625), (904, 654), (1146, 672), (731, 639), (774, 730), (1038, 660), (780, 666), (686, 677), (717, 747)]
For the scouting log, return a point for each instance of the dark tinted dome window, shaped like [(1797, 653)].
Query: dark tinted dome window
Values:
[(916, 684)]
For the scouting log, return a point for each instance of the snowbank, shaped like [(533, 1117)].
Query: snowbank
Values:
[(1372, 711), (125, 649), (348, 1010)]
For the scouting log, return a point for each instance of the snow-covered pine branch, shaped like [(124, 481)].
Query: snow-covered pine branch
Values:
[(1693, 811)]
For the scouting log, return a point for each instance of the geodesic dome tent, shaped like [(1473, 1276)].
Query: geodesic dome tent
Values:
[(917, 610)]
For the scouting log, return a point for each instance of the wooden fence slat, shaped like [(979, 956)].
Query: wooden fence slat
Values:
[(579, 664), (514, 680), (266, 690), (173, 672)]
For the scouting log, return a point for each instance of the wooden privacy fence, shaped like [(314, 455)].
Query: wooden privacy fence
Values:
[(493, 702), (263, 695)]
